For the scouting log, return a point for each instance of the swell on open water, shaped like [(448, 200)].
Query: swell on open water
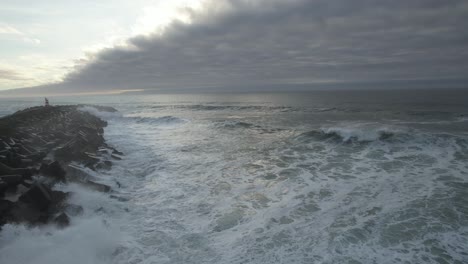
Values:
[(268, 178)]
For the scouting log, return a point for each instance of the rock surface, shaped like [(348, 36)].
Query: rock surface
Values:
[(49, 141)]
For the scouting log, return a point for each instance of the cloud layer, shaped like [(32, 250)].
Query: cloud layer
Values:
[(248, 43)]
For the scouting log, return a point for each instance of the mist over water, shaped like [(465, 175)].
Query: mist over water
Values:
[(320, 177)]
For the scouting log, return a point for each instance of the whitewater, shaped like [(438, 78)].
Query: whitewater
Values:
[(267, 178)]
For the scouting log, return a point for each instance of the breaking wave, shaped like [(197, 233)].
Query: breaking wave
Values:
[(352, 134), (207, 107), (101, 114), (163, 120), (230, 124), (233, 125)]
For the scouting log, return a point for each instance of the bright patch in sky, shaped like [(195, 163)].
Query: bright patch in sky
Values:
[(41, 41), (157, 17)]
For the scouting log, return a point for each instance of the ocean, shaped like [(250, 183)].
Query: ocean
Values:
[(300, 177)]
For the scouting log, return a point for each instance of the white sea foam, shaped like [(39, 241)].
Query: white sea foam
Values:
[(232, 203), (361, 131), (101, 114), (85, 241), (200, 193), (92, 237)]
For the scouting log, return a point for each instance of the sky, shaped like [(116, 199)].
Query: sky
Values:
[(110, 46)]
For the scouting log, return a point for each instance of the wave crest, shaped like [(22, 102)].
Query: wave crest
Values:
[(106, 115), (230, 124), (208, 107), (351, 134), (160, 120)]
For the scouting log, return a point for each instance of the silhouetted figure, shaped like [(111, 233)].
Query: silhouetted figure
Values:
[(46, 102)]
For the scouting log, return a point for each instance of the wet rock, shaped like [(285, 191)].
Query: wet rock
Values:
[(3, 187), (53, 170), (5, 206), (62, 220), (23, 212), (12, 159), (96, 186), (7, 170), (11, 180), (91, 159), (63, 133), (27, 162), (114, 151), (120, 198), (38, 156), (25, 172), (58, 197), (104, 165), (114, 156), (58, 201), (28, 183), (76, 173), (39, 196)]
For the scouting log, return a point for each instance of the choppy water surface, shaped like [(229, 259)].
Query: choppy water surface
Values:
[(321, 177)]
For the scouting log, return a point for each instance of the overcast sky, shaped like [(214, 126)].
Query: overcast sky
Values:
[(90, 46)]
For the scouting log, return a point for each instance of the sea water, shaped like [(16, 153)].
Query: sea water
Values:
[(316, 177)]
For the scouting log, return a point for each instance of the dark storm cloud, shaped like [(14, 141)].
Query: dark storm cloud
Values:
[(262, 42)]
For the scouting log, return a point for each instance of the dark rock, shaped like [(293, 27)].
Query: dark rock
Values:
[(28, 183), (62, 132), (25, 172), (116, 157), (39, 196), (114, 151), (5, 206), (12, 159), (3, 187), (62, 220), (91, 158), (23, 212), (24, 150), (11, 180), (58, 197), (53, 170), (76, 173), (27, 162), (7, 170), (120, 198), (21, 189), (104, 165), (37, 156), (97, 186), (58, 201)]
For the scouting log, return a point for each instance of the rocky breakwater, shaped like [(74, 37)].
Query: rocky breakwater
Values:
[(44, 146)]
